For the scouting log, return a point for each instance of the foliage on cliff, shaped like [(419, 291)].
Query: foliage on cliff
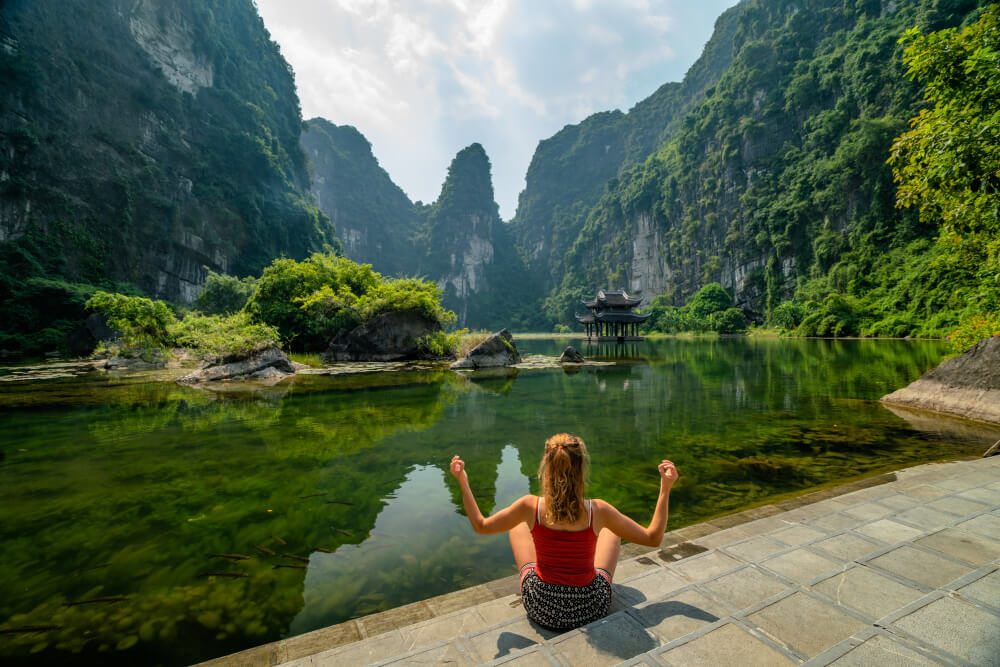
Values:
[(776, 185), (115, 174)]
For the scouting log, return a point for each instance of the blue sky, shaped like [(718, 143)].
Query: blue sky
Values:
[(422, 79)]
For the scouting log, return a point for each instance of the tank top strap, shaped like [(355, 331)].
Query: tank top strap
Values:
[(538, 518), (590, 511)]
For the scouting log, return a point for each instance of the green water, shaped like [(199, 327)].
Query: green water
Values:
[(125, 487)]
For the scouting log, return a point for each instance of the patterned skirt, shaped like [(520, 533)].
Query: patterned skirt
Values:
[(560, 607)]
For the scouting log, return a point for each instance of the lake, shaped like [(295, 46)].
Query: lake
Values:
[(146, 522)]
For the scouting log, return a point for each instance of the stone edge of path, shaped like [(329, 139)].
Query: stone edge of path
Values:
[(676, 545)]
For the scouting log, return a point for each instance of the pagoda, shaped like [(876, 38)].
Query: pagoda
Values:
[(611, 317)]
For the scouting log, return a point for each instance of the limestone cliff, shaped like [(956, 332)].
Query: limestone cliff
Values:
[(142, 141), (376, 221), (468, 250)]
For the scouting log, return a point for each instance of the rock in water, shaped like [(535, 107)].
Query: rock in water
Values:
[(392, 336), (267, 364), (967, 385), (497, 350), (571, 356), (155, 361)]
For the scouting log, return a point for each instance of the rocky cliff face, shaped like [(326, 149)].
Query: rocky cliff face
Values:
[(376, 221), (468, 250), (142, 141), (774, 175)]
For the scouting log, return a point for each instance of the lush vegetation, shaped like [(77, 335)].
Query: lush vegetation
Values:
[(114, 179), (776, 184), (223, 294), (710, 309), (301, 305)]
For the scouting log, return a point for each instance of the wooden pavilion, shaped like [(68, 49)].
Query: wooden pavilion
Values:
[(611, 318)]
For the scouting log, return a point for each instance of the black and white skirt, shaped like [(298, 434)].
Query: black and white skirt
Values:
[(560, 607)]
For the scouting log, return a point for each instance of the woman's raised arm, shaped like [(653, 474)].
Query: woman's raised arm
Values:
[(521, 510), (631, 531)]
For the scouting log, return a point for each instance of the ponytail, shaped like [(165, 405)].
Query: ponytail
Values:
[(562, 473)]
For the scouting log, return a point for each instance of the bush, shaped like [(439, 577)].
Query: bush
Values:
[(711, 298), (729, 321), (787, 316), (561, 329), (225, 336), (838, 315), (144, 323), (222, 294), (309, 301), (973, 329)]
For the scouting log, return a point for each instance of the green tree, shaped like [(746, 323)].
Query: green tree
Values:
[(710, 299), (144, 323), (948, 164), (222, 294)]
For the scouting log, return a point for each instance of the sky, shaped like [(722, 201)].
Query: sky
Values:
[(423, 79)]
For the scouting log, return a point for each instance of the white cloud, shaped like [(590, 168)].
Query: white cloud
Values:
[(422, 79)]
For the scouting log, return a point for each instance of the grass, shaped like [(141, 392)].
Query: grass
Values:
[(307, 358)]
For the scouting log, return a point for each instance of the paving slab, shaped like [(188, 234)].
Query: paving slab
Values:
[(956, 506), (506, 638), (957, 627), (924, 517), (463, 599), (801, 565), (869, 510), (364, 652), (537, 656), (889, 531), (797, 534), (444, 654), (635, 566), (982, 494), (986, 525), (920, 566), (835, 522), (704, 566), (678, 614), (442, 628), (745, 587), (883, 651), (787, 620), (899, 501), (649, 586), (728, 644), (927, 491), (867, 591), (985, 590), (755, 548), (847, 546), (962, 545), (606, 642)]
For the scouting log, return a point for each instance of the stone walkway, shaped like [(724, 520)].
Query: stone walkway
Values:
[(903, 569)]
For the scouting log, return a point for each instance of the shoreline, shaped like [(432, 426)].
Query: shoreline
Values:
[(677, 545)]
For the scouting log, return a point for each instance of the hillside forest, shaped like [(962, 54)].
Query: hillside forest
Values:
[(830, 168)]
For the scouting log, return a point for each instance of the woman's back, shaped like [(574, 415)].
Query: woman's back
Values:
[(565, 556)]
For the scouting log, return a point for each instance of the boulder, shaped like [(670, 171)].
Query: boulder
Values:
[(966, 386), (392, 336), (571, 356), (497, 350), (267, 364), (122, 363)]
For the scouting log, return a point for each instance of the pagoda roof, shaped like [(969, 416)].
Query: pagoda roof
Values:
[(612, 299), (613, 317)]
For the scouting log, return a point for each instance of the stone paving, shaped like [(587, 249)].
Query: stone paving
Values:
[(903, 569)]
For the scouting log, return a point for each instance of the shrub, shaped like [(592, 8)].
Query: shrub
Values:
[(729, 321), (973, 329), (144, 323), (224, 336), (561, 329), (710, 299), (222, 294), (787, 316)]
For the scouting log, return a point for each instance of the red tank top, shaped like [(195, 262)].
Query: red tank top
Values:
[(563, 556)]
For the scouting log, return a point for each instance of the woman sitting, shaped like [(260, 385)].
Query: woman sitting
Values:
[(566, 547)]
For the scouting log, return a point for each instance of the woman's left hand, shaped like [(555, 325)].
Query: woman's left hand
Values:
[(457, 469)]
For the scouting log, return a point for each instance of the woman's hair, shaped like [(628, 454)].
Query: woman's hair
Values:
[(562, 473)]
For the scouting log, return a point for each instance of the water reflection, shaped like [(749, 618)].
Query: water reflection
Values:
[(131, 487)]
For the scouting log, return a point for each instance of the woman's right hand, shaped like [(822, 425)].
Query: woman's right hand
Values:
[(457, 469), (668, 474)]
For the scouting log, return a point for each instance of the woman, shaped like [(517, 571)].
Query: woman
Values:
[(565, 546)]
